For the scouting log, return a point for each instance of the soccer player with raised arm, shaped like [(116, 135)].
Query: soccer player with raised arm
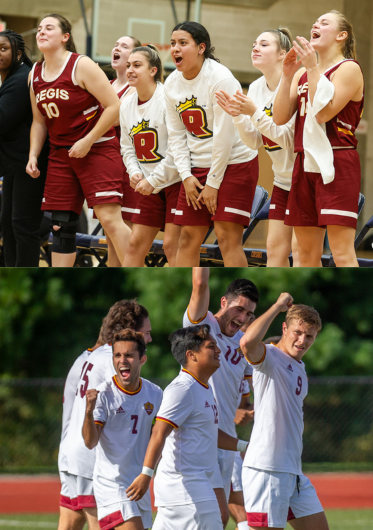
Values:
[(275, 489), (118, 420), (236, 310), (187, 435)]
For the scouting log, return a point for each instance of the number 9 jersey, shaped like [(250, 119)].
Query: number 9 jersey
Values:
[(280, 386), (70, 111)]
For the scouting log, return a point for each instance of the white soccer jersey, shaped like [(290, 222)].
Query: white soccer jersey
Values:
[(144, 140), (126, 418), (80, 459), (190, 452), (226, 381), (280, 386), (69, 394), (260, 129), (200, 133)]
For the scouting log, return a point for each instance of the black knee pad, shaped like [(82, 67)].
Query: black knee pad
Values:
[(64, 240)]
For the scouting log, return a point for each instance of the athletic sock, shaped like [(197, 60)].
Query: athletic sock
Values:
[(243, 526)]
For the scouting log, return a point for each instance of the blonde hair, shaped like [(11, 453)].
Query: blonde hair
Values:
[(304, 313), (349, 44)]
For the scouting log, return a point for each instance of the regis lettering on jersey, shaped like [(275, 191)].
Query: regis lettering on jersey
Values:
[(52, 93), (302, 89)]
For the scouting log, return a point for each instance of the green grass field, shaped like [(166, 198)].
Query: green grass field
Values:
[(338, 520)]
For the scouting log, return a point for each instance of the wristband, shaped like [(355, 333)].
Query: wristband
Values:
[(242, 445), (147, 471)]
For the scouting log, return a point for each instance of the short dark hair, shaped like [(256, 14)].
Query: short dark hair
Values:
[(123, 314), (129, 335), (200, 35), (242, 287), (185, 339)]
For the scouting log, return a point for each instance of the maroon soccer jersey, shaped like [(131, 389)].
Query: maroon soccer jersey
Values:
[(120, 94), (70, 111), (340, 129)]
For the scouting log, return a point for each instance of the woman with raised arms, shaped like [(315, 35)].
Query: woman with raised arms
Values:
[(73, 101), (252, 115), (328, 93), (218, 171), (150, 165)]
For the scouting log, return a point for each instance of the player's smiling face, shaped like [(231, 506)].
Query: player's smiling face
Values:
[(127, 364), (265, 51), (324, 31), (209, 354), (186, 53), (138, 70), (234, 314), (297, 338), (49, 35), (121, 52)]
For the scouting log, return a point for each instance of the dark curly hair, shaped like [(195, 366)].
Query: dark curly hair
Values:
[(123, 314)]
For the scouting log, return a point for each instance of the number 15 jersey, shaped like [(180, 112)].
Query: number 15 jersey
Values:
[(280, 386)]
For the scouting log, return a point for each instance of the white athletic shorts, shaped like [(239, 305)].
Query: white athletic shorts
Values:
[(272, 498), (119, 512), (80, 491), (204, 515), (237, 472), (222, 475)]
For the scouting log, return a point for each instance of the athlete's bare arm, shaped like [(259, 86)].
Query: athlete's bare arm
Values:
[(251, 342), (200, 298), (285, 103), (226, 441), (91, 431), (245, 412), (90, 77), (141, 483), (38, 135)]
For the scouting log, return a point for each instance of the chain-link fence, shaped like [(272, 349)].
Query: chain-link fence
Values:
[(338, 414)]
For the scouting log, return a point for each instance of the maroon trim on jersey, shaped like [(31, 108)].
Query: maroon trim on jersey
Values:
[(139, 102), (124, 390), (111, 520), (194, 377), (121, 92), (159, 418), (86, 501)]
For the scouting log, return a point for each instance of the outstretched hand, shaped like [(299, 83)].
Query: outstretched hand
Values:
[(306, 53), (227, 103), (291, 64)]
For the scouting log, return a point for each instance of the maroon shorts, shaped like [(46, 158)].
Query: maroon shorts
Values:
[(157, 209), (279, 200), (313, 203), (98, 178), (66, 502), (130, 198), (234, 206)]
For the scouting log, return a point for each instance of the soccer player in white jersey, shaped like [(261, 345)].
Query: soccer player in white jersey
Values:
[(252, 116), (187, 434), (71, 517), (80, 460), (208, 152), (119, 417), (148, 158), (237, 309), (275, 489)]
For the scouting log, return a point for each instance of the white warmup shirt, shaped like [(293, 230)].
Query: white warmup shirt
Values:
[(144, 140), (69, 394), (80, 459), (226, 381), (126, 418), (260, 129), (201, 134), (190, 452), (280, 386)]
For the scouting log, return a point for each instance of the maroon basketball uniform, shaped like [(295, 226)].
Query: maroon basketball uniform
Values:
[(311, 202)]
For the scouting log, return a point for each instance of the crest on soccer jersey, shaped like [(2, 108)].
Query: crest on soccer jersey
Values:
[(149, 407), (145, 142), (268, 111), (194, 118)]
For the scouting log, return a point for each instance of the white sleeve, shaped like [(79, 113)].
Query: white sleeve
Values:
[(282, 135), (127, 148), (177, 405), (100, 414), (248, 133), (223, 134), (177, 140)]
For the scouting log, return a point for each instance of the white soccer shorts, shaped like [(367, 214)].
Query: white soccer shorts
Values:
[(80, 491), (222, 475), (119, 512), (272, 498), (237, 472), (204, 515)]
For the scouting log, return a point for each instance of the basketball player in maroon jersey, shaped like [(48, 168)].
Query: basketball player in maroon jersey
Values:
[(313, 205), (72, 100)]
